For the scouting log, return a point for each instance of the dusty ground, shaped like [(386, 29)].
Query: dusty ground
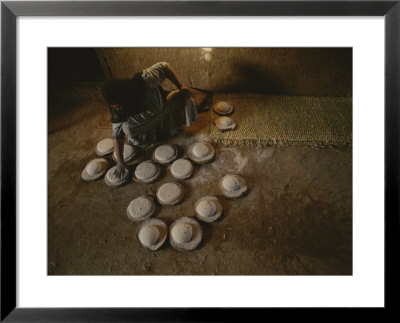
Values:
[(295, 220)]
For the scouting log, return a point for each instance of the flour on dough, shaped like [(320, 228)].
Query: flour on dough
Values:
[(169, 192), (140, 207), (149, 235), (231, 183), (182, 232), (164, 153), (200, 150), (222, 107), (181, 168), (105, 146), (206, 208), (96, 166), (145, 170)]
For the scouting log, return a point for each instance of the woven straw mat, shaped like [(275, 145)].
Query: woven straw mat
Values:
[(265, 120)]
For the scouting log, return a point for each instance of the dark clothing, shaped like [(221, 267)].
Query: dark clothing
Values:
[(157, 117)]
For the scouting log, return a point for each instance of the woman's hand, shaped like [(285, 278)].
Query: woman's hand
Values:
[(118, 149), (120, 170)]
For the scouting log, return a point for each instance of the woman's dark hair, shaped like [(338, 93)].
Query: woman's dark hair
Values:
[(126, 92)]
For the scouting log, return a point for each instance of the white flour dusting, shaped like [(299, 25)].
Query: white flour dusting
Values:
[(265, 153), (239, 160)]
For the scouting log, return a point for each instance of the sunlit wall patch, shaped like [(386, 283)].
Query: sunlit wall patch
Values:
[(206, 54)]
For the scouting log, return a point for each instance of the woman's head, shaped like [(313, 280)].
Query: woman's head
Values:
[(124, 92)]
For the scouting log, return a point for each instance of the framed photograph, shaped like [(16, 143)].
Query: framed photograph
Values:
[(197, 160)]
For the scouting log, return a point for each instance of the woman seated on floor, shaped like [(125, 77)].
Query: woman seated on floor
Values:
[(142, 110)]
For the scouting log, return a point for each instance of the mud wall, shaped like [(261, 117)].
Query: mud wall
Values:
[(290, 71)]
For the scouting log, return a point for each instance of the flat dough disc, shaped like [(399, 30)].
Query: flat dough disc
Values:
[(200, 150), (232, 186), (231, 183), (222, 107), (129, 151), (149, 235), (94, 169), (206, 208), (145, 170), (182, 232), (185, 234), (96, 166), (165, 153), (225, 123), (181, 168), (169, 193), (149, 238), (140, 207), (105, 146), (112, 180)]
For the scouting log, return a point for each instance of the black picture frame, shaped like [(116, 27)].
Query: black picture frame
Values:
[(390, 10)]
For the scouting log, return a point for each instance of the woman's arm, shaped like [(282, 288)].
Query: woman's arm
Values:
[(119, 149), (171, 75)]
